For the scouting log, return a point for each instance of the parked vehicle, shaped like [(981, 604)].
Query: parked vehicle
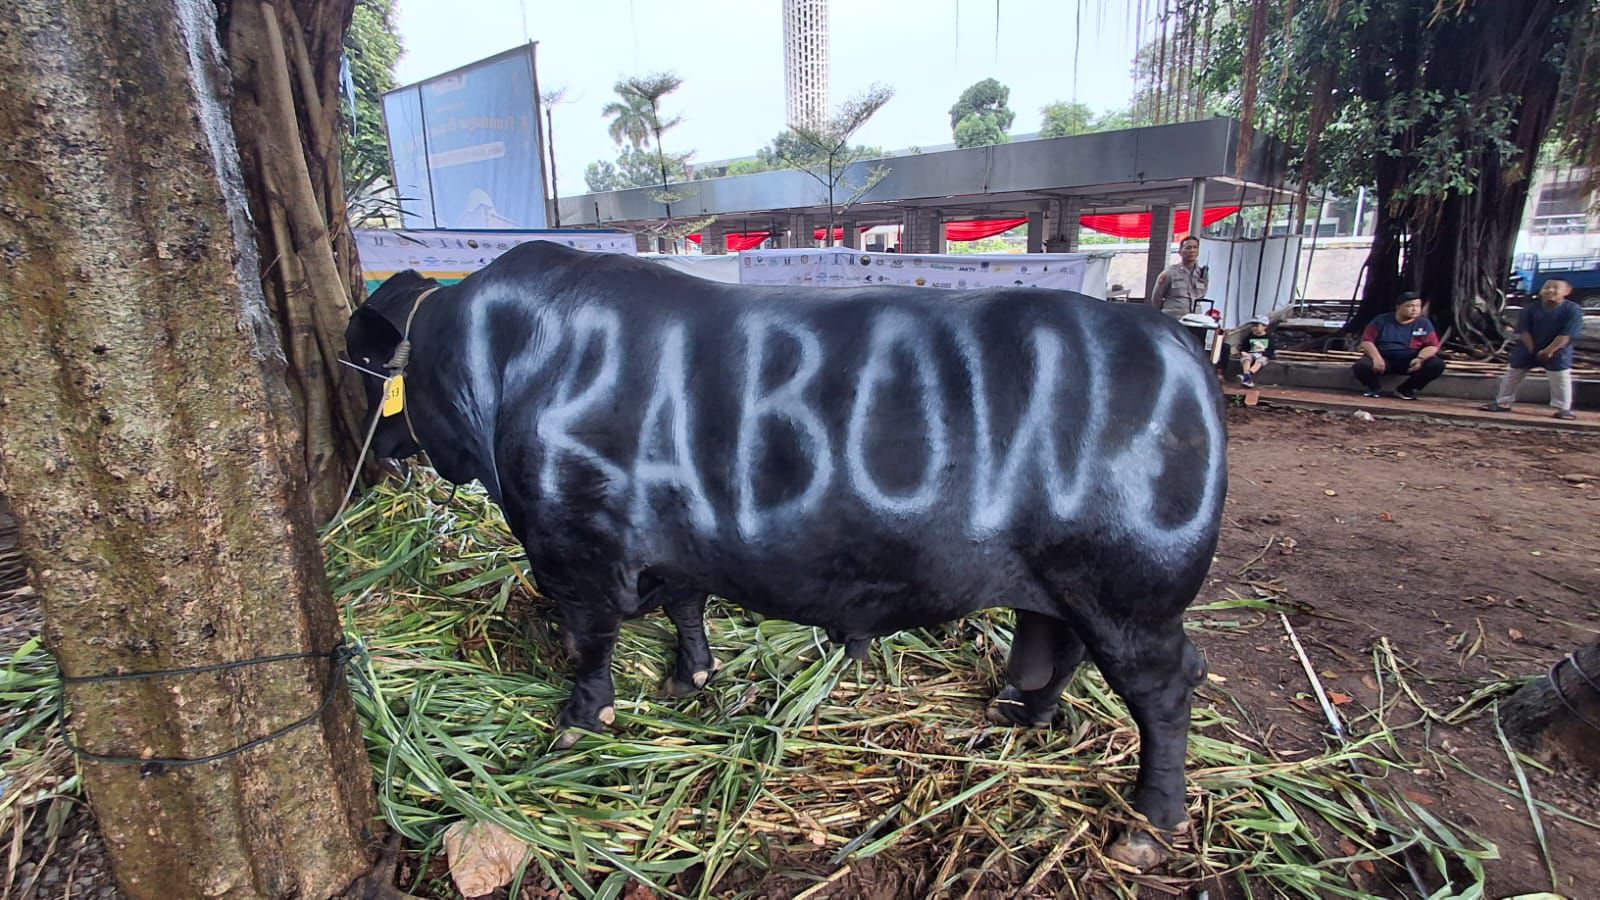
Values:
[(1582, 272)]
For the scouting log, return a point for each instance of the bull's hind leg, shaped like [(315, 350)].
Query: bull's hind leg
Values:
[(694, 664), (1155, 669), (1044, 654)]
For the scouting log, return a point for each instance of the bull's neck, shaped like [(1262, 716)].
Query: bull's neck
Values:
[(453, 391)]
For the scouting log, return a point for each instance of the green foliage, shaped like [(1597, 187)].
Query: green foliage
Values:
[(987, 98), (1132, 117), (636, 124), (372, 46), (1442, 106), (996, 244), (980, 131), (630, 120), (981, 116), (1063, 119), (634, 167), (748, 167), (825, 152), (1387, 81), (641, 97)]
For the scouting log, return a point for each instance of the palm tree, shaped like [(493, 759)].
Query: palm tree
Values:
[(643, 93), (630, 118)]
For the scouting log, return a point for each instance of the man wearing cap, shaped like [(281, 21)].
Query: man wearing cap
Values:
[(1179, 285)]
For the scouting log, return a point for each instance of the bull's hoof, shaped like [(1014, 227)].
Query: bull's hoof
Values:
[(1138, 849), (1009, 708), (571, 732), (858, 648), (678, 688)]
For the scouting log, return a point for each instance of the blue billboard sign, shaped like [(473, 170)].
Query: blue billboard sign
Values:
[(467, 147)]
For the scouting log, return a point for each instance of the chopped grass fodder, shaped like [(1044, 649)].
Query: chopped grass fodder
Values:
[(796, 764)]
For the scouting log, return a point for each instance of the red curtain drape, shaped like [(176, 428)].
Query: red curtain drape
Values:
[(838, 233), (1128, 225), (1137, 225), (979, 229), (740, 241)]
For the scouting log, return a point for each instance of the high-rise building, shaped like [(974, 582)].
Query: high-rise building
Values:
[(805, 61)]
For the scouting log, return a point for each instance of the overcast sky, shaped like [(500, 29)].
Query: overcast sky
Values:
[(730, 57)]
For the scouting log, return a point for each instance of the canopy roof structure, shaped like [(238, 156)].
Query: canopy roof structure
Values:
[(1134, 170)]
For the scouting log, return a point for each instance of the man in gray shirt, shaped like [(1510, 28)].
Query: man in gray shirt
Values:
[(1179, 285)]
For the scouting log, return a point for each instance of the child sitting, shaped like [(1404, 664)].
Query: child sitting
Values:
[(1256, 346)]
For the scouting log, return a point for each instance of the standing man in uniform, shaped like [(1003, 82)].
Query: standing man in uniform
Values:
[(1178, 286)]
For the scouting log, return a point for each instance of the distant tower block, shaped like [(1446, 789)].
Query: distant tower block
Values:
[(805, 61)]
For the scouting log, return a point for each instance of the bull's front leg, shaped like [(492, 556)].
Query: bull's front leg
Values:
[(591, 636)]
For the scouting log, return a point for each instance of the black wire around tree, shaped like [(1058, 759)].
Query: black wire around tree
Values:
[(1555, 684), (338, 659)]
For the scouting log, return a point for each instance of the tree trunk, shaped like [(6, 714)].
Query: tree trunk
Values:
[(284, 58), (1459, 243), (1538, 721), (149, 444)]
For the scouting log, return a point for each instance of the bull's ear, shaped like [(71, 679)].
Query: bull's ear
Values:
[(377, 326), (394, 298), (370, 338)]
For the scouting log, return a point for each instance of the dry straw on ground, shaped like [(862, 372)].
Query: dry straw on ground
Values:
[(795, 764)]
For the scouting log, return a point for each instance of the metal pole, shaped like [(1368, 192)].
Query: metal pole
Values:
[(1197, 206)]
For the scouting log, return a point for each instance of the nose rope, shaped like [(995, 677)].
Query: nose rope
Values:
[(346, 362), (402, 355)]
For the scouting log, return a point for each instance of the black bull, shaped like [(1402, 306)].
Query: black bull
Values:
[(862, 460)]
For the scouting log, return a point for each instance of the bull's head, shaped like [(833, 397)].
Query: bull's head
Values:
[(375, 331)]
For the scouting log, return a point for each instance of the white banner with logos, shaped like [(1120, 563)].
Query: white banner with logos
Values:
[(450, 256), (843, 267)]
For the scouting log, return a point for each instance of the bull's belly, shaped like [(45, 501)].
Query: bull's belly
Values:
[(864, 602), (859, 616)]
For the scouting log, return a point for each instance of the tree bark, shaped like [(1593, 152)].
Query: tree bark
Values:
[(284, 58), (1538, 721), (1458, 245), (150, 447)]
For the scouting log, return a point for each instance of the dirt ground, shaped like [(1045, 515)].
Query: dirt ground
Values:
[(1466, 549)]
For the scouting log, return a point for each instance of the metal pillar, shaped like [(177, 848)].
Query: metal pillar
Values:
[(1066, 226), (918, 232), (714, 240), (1036, 231), (795, 235), (1197, 207), (936, 222), (1160, 237), (852, 235)]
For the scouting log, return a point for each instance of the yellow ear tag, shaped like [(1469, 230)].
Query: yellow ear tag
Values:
[(394, 395)]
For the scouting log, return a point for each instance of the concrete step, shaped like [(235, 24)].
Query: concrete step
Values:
[(1523, 415), (1480, 387)]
